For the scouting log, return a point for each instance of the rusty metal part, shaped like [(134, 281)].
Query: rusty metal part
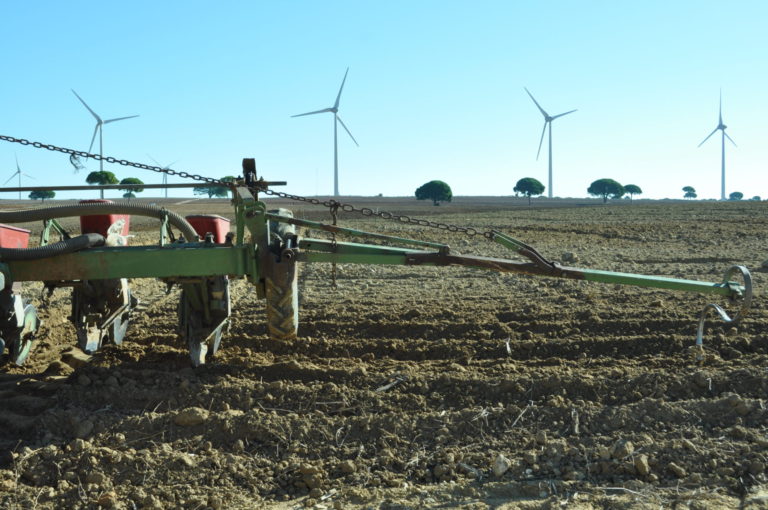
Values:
[(746, 301)]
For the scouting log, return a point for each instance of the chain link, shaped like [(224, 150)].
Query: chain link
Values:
[(367, 211), (110, 159), (331, 204)]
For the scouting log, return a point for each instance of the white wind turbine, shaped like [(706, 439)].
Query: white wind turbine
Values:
[(336, 121), (722, 128), (99, 129), (547, 122), (165, 176), (19, 173)]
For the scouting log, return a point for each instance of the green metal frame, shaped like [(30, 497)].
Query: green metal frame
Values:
[(247, 257)]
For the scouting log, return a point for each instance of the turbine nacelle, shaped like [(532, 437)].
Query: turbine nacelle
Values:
[(99, 129)]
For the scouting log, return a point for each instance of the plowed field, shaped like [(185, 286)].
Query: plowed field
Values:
[(418, 387)]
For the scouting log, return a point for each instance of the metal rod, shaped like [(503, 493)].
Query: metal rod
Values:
[(341, 230), (124, 186)]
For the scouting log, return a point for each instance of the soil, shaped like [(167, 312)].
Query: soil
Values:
[(419, 387)]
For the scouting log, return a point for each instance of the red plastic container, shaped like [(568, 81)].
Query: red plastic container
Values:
[(13, 237), (100, 223), (210, 223)]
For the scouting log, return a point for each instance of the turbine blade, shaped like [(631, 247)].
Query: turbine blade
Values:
[(545, 114), (17, 162), (120, 118), (338, 96), (347, 130), (154, 160), (731, 139), (93, 139), (542, 139), (561, 114), (9, 178), (312, 113), (27, 175), (720, 115), (98, 119), (707, 138)]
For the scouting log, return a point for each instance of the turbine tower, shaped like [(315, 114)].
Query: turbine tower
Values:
[(19, 173), (722, 128), (336, 121), (99, 129), (547, 122), (165, 176)]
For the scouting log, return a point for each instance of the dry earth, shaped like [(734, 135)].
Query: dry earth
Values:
[(421, 387)]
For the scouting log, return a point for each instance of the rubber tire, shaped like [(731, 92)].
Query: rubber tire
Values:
[(281, 286)]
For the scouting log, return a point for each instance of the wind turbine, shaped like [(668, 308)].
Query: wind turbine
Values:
[(722, 128), (19, 173), (99, 129), (336, 121), (547, 122), (165, 176)]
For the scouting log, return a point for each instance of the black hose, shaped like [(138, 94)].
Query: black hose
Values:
[(51, 250), (86, 209)]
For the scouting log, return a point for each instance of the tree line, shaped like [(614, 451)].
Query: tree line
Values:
[(133, 185), (439, 191)]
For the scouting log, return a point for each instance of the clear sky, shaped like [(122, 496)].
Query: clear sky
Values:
[(435, 91)]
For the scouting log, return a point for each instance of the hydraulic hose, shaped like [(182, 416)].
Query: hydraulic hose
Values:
[(64, 211), (51, 250)]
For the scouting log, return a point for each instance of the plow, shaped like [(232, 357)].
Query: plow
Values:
[(201, 256)]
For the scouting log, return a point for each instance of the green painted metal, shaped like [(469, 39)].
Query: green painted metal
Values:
[(344, 248), (359, 233), (661, 282), (48, 226), (173, 261)]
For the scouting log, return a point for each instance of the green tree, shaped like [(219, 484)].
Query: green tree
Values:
[(130, 192), (437, 191), (632, 190), (213, 190), (606, 188), (102, 178), (690, 192), (529, 187), (756, 198), (42, 194), (736, 195)]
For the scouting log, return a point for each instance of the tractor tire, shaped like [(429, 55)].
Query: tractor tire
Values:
[(281, 283)]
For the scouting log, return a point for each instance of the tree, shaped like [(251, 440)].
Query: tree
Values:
[(529, 187), (101, 178), (756, 198), (736, 195), (632, 190), (690, 194), (42, 194), (606, 188), (437, 191), (213, 190), (130, 191)]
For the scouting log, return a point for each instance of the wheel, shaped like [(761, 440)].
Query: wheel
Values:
[(281, 282), (18, 325)]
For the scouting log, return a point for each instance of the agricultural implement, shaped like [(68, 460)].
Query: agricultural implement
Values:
[(263, 248)]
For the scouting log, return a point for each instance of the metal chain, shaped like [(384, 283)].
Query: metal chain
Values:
[(334, 218), (367, 211), (331, 204), (110, 159)]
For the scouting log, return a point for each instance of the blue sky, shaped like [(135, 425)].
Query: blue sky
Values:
[(435, 91)]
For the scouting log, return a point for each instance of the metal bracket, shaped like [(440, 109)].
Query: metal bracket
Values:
[(746, 301)]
